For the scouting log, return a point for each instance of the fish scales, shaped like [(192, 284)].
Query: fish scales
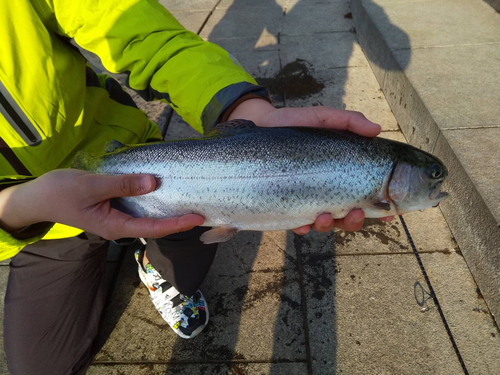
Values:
[(257, 179)]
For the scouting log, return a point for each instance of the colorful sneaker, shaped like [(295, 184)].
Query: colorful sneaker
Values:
[(187, 316)]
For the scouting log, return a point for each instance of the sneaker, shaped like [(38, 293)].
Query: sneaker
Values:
[(187, 316)]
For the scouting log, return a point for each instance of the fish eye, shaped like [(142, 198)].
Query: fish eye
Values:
[(436, 171)]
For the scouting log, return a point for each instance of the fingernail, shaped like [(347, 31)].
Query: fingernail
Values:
[(146, 184)]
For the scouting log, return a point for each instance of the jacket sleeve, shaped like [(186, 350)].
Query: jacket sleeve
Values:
[(10, 245), (154, 55)]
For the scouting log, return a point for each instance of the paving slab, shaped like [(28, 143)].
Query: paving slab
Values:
[(352, 89), (192, 20), (317, 17), (339, 50), (262, 64), (394, 135), (428, 229), (444, 77), (376, 236), (447, 82), (378, 328), (466, 312), (258, 43), (295, 368), (250, 5), (252, 289), (391, 2), (228, 23), (182, 5), (478, 22), (479, 152)]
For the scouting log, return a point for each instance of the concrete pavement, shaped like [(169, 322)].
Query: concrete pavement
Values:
[(437, 63), (352, 303)]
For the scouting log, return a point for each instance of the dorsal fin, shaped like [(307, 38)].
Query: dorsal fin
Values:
[(113, 146), (233, 127)]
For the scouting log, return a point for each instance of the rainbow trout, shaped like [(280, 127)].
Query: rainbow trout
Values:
[(242, 177)]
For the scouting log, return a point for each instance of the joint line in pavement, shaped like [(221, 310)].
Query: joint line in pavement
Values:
[(434, 297)]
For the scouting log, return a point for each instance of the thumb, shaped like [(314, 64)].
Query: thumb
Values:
[(128, 185)]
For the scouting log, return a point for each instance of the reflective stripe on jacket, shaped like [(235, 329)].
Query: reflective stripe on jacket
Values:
[(52, 104)]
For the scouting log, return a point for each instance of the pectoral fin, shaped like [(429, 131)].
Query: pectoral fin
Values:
[(217, 235), (382, 205)]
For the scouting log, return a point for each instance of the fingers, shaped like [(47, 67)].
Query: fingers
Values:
[(324, 223), (302, 230), (321, 117), (352, 222), (106, 187), (126, 226), (352, 121), (359, 124), (387, 218), (329, 118)]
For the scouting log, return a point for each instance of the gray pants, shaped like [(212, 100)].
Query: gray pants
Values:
[(57, 290)]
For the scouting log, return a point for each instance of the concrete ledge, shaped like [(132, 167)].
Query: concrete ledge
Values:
[(495, 4), (473, 226), (471, 220)]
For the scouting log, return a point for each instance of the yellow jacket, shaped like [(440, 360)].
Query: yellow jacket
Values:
[(53, 104)]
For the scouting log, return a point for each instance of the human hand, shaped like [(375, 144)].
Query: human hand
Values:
[(264, 114), (82, 199)]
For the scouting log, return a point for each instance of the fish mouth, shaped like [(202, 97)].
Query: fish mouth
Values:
[(436, 194)]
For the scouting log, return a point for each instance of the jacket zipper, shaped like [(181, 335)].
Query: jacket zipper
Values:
[(17, 119)]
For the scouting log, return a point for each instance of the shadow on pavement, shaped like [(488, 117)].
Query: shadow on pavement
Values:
[(305, 284)]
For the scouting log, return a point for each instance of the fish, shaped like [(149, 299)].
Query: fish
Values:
[(244, 177)]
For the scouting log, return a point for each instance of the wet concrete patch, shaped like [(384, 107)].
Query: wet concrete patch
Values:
[(294, 80), (376, 236)]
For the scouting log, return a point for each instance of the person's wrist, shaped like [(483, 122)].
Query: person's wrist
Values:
[(16, 208), (252, 109)]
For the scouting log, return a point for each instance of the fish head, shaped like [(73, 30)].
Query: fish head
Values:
[(416, 181)]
